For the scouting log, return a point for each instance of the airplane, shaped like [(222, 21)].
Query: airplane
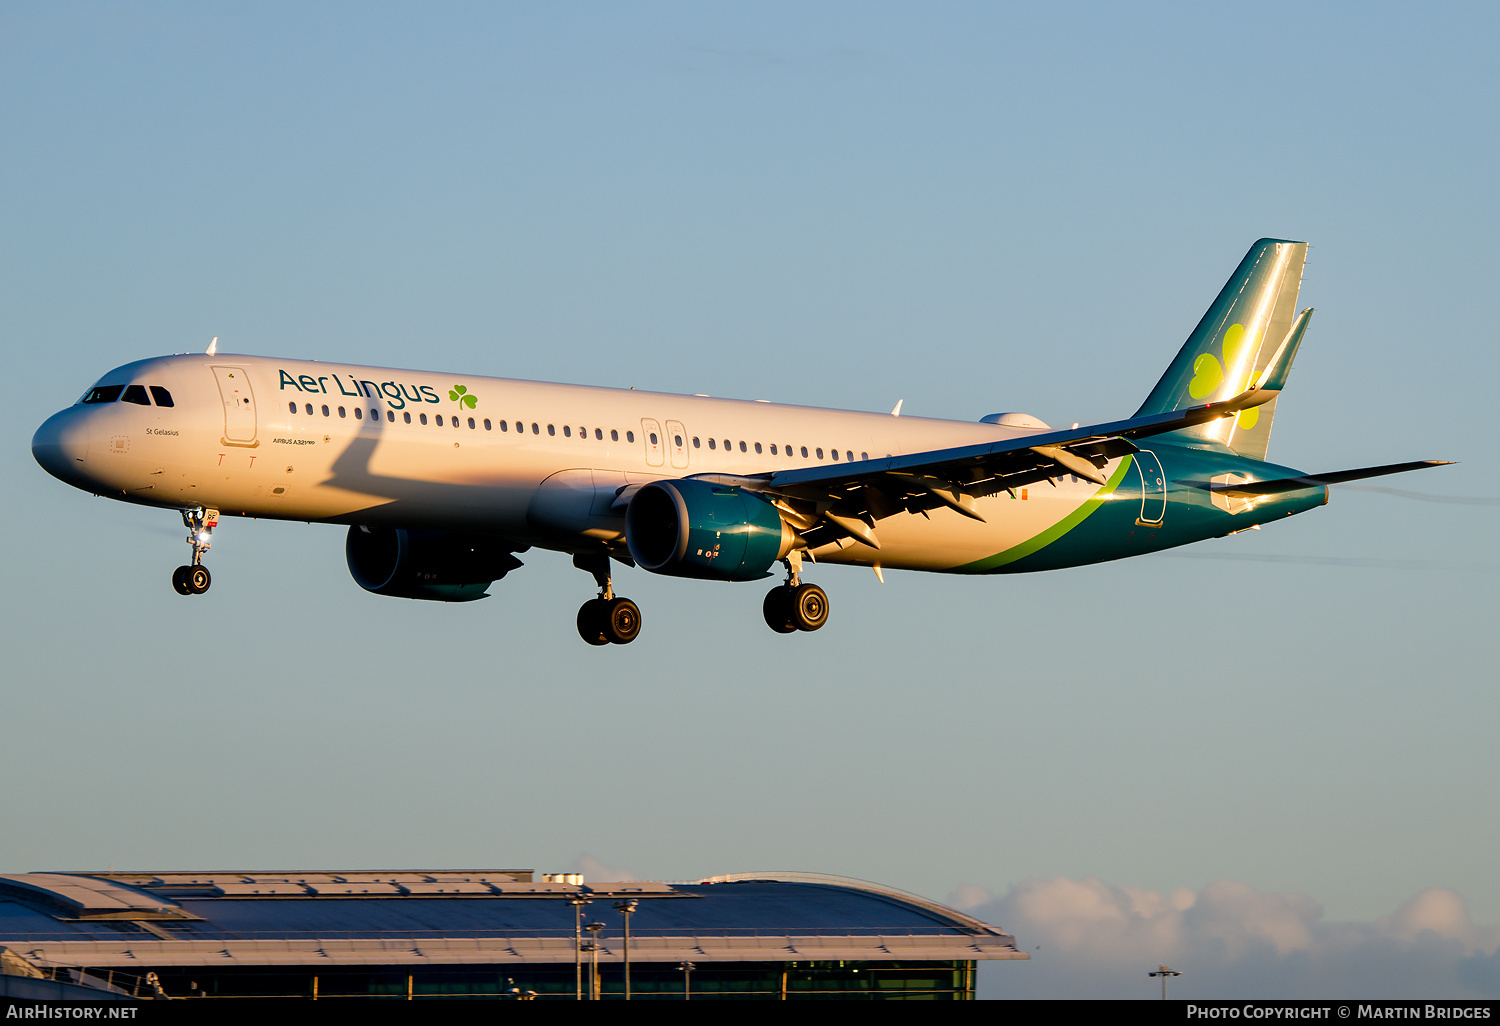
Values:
[(442, 479)]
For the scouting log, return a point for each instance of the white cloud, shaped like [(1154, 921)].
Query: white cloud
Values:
[(595, 871), (1091, 939), (968, 896)]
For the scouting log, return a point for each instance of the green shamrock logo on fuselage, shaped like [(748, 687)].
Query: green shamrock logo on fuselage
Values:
[(460, 394)]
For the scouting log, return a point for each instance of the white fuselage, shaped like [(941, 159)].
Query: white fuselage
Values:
[(540, 464)]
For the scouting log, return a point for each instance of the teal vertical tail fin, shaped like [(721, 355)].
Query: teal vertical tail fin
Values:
[(1233, 344)]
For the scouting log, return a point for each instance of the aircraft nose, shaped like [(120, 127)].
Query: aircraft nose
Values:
[(61, 445)]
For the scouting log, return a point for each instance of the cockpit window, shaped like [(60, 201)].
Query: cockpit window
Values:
[(161, 395), (103, 394), (135, 394)]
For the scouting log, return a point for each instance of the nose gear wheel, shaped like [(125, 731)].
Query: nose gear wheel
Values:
[(194, 578)]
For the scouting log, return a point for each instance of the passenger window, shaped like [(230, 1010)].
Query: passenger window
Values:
[(773, 448), (104, 394), (757, 448), (422, 417), (471, 423), (342, 413), (804, 452), (864, 455), (567, 431), (835, 455), (614, 436), (653, 438), (503, 426), (583, 432), (742, 447), (292, 407), (677, 441), (629, 436), (390, 415), (487, 424), (535, 429), (696, 444), (325, 409), (359, 414), (161, 395), (727, 445), (551, 430), (850, 455), (136, 394), (598, 434), (438, 419), (406, 417), (374, 413), (712, 444), (309, 409), (820, 454)]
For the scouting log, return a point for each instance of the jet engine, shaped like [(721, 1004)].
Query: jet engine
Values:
[(693, 528), (432, 565)]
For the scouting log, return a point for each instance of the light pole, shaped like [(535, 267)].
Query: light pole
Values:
[(594, 929), (1164, 972), (578, 902), (686, 969), (625, 908)]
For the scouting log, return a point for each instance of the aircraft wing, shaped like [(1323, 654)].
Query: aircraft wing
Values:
[(846, 500)]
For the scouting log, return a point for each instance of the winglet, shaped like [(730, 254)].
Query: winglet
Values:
[(213, 347)]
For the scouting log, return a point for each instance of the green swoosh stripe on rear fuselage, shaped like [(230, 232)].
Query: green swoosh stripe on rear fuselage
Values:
[(1016, 552)]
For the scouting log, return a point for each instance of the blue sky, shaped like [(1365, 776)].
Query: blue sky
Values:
[(970, 207)]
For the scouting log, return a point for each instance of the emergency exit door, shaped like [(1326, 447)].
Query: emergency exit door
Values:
[(1153, 488)]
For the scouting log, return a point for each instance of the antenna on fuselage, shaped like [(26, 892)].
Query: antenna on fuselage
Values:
[(213, 347), (897, 411)]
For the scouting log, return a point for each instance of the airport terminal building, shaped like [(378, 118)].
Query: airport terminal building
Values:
[(412, 935)]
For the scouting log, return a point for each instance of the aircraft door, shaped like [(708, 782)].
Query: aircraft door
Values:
[(239, 406), (651, 436), (1153, 488), (677, 443)]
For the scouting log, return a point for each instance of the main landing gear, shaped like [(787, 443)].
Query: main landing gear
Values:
[(606, 620), (795, 606), (194, 578)]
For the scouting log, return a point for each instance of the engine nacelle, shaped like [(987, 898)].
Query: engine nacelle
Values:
[(717, 532), (431, 565)]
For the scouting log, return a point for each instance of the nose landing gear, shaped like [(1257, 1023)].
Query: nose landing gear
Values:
[(194, 578), (606, 620), (795, 606)]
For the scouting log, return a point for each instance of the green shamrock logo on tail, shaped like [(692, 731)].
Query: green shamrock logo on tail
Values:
[(460, 394)]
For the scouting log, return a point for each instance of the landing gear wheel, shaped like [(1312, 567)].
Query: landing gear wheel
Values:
[(778, 609), (622, 620), (591, 622), (809, 607), (180, 580), (198, 579)]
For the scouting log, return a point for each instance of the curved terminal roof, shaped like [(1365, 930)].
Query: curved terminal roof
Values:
[(468, 917)]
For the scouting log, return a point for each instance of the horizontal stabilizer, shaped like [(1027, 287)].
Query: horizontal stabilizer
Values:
[(1280, 368), (1249, 489)]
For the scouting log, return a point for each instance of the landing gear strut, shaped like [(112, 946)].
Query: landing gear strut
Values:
[(607, 619), (795, 606), (194, 578)]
